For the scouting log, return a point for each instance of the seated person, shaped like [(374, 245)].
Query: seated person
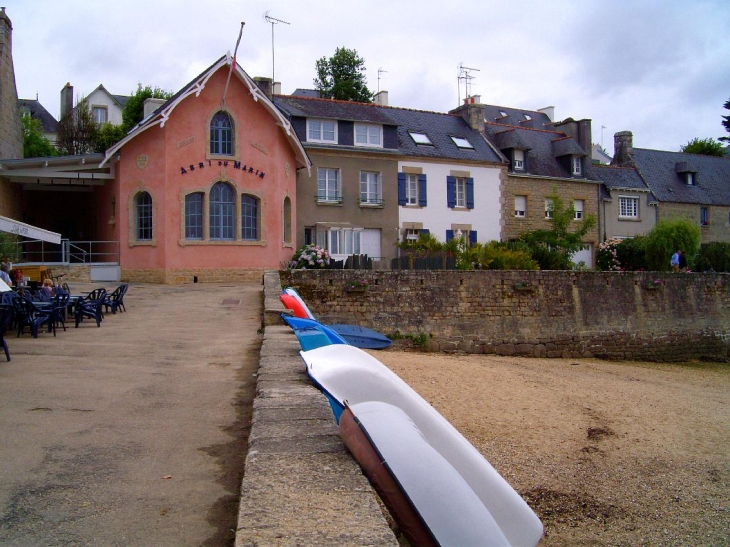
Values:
[(5, 273), (46, 291)]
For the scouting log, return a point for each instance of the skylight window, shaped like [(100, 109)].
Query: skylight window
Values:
[(528, 117), (461, 142), (503, 113), (420, 138)]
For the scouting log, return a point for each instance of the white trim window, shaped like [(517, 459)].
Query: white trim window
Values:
[(344, 241), (549, 207), (628, 207), (520, 206), (411, 189), (322, 131), (328, 185), (690, 178), (578, 205), (100, 114), (460, 188), (518, 160), (367, 134), (577, 165), (370, 188)]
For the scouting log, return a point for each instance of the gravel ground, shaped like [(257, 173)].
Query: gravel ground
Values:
[(620, 454)]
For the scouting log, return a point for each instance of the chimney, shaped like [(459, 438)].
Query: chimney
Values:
[(277, 88), (623, 149), (381, 98), (473, 112), (11, 129), (150, 105), (67, 100), (549, 111), (265, 84), (580, 130)]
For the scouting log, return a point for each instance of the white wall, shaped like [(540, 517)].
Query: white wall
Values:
[(437, 217), (101, 98)]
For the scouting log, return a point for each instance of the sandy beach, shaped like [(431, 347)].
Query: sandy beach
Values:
[(605, 453)]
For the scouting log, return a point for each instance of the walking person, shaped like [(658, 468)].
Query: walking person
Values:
[(682, 262), (675, 261)]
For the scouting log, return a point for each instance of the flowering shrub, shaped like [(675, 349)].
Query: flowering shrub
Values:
[(357, 284), (607, 255), (310, 257)]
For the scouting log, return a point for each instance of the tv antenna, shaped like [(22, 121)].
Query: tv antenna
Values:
[(273, 21), (380, 71), (465, 75)]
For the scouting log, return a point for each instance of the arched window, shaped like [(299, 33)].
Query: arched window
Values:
[(287, 220), (222, 212), (249, 218), (221, 134), (194, 216), (144, 216)]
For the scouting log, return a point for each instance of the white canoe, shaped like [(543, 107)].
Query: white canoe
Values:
[(348, 374)]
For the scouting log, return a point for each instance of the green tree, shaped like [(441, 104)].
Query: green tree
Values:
[(714, 256), (342, 77), (553, 248), (669, 236), (134, 108), (77, 131), (726, 122), (107, 136), (9, 247), (705, 147), (35, 144)]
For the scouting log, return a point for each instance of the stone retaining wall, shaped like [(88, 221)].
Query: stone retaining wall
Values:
[(653, 316)]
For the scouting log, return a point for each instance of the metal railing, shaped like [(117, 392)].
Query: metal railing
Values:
[(35, 251)]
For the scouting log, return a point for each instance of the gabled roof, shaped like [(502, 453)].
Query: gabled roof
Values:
[(438, 127), (160, 116), (620, 178), (544, 146), (659, 169), (120, 100), (38, 112)]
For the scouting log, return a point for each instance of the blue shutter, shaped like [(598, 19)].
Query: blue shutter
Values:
[(425, 231), (472, 237), (422, 190), (449, 235), (470, 193), (401, 189), (450, 192)]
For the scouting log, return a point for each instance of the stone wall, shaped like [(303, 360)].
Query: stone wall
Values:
[(610, 315), (196, 275)]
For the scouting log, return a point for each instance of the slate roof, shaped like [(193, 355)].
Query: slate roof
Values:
[(516, 117), (437, 126), (38, 112), (620, 178), (659, 169), (542, 160)]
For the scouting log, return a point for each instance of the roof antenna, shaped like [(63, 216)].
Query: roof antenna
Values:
[(380, 71), (273, 22), (464, 74), (233, 64)]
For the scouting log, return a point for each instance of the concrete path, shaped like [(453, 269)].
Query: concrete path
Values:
[(134, 433)]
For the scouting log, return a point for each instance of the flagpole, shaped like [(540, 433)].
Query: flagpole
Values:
[(233, 64)]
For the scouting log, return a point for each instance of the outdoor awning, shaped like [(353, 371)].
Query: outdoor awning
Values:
[(26, 230)]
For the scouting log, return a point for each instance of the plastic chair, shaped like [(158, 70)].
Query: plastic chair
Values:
[(115, 299), (27, 314), (90, 306), (58, 311), (6, 320)]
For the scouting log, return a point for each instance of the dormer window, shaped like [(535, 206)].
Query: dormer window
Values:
[(322, 131), (577, 165), (420, 138), (461, 142), (518, 160), (690, 178), (368, 135)]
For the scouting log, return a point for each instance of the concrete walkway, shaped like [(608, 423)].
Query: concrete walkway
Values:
[(131, 434)]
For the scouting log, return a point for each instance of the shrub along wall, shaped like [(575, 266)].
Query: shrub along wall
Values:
[(633, 316)]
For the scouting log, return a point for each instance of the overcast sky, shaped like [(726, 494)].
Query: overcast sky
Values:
[(658, 68)]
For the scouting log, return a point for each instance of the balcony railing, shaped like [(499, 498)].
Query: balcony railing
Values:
[(68, 252)]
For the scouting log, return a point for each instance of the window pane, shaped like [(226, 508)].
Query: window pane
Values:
[(460, 192), (411, 189), (249, 218), (194, 216), (328, 131), (370, 187), (144, 216), (222, 212), (221, 134), (328, 188)]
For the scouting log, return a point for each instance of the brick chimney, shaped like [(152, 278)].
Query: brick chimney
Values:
[(11, 128), (67, 100), (623, 149), (265, 84)]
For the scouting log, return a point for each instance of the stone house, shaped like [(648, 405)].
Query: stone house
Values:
[(690, 185), (104, 106), (34, 109)]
